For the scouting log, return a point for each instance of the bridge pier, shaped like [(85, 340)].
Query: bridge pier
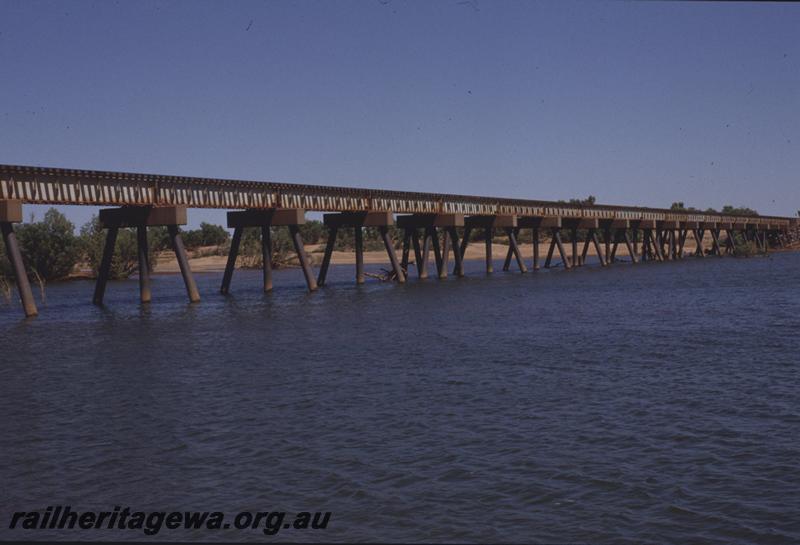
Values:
[(556, 242), (615, 232), (535, 223), (675, 242), (585, 249), (689, 227), (777, 239), (407, 236), (11, 213), (756, 238), (450, 240), (644, 250), (765, 235), (598, 249), (644, 247), (740, 228), (631, 250), (686, 227), (441, 252), (667, 248), (487, 242), (265, 220), (513, 249), (144, 264), (658, 244), (732, 241), (619, 236), (698, 239), (725, 244), (673, 246), (651, 249), (666, 241), (509, 225), (359, 220), (711, 227), (591, 238), (573, 238), (715, 248), (615, 240), (573, 224), (750, 235), (430, 224), (141, 217)]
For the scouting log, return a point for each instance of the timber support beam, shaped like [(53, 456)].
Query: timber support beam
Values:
[(11, 213)]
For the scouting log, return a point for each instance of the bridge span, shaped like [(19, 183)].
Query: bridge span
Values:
[(430, 221)]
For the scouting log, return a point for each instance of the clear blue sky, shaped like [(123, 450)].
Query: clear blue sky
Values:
[(640, 103)]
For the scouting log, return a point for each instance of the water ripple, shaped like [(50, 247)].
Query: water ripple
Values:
[(646, 404)]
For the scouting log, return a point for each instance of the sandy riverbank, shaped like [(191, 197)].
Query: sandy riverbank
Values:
[(476, 250)]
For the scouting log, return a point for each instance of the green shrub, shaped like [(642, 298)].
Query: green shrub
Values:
[(250, 254), (207, 235), (747, 249), (50, 249), (125, 261), (313, 232)]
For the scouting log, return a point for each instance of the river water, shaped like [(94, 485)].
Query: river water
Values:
[(657, 403)]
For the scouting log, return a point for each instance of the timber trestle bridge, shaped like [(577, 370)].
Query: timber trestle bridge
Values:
[(441, 222)]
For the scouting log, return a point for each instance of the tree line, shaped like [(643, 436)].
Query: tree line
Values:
[(727, 210)]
